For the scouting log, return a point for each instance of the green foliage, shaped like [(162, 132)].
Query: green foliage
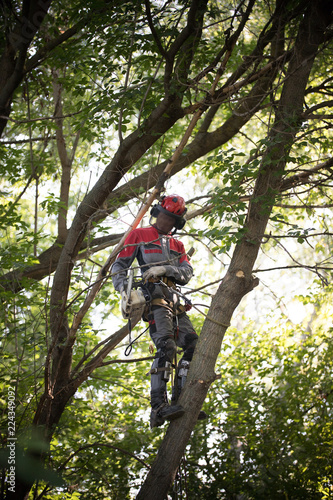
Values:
[(270, 428), (103, 442)]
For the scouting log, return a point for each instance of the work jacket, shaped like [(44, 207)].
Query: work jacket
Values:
[(151, 248)]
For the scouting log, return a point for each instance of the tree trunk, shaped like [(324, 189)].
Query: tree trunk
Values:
[(238, 280)]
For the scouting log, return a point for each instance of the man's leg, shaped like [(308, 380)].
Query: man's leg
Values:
[(187, 339), (162, 334)]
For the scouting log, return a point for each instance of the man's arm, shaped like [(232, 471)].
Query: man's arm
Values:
[(124, 261), (181, 274), (180, 270)]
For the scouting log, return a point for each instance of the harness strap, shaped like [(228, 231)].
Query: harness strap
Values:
[(161, 302), (153, 371), (168, 305), (167, 281)]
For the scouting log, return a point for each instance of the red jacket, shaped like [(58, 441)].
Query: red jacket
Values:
[(151, 248)]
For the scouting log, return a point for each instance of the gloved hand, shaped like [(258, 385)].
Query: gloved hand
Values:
[(154, 272)]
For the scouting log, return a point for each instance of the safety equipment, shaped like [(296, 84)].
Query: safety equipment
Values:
[(133, 302), (165, 370), (166, 373), (183, 369), (153, 272), (161, 410), (174, 206), (166, 350), (165, 412)]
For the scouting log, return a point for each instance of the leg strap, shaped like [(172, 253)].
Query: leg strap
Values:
[(154, 371), (162, 303)]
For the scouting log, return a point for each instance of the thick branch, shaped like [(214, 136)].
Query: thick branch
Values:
[(158, 42), (13, 57), (65, 161)]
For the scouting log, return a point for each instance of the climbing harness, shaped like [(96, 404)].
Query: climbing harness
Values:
[(139, 301), (134, 306), (170, 284)]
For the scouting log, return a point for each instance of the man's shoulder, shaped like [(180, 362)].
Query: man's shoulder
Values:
[(145, 228), (175, 241), (142, 233)]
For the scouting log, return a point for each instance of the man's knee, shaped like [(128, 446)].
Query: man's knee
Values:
[(166, 348)]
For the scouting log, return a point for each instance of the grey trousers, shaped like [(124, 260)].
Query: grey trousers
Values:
[(168, 331)]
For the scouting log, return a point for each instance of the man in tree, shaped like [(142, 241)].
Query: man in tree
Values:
[(164, 264)]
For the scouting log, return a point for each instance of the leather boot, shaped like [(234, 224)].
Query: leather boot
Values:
[(161, 410)]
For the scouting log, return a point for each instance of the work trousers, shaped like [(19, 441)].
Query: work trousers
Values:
[(168, 330)]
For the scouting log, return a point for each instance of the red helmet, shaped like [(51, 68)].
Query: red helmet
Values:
[(174, 206)]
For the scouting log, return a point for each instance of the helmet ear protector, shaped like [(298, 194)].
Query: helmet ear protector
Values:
[(154, 211)]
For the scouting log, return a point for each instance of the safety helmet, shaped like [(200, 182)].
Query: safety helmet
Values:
[(172, 205)]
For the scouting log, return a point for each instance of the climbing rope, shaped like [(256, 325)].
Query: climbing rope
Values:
[(129, 348)]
